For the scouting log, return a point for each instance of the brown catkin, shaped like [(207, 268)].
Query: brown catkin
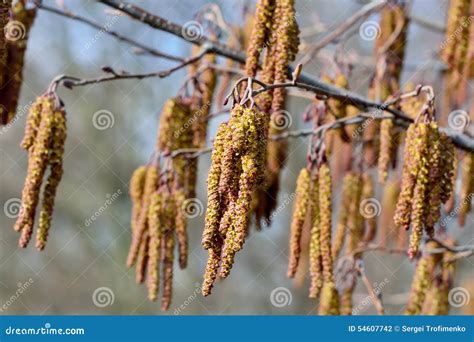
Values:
[(142, 260), (167, 253), (32, 123), (180, 226), (16, 32), (137, 183), (4, 9), (300, 210)]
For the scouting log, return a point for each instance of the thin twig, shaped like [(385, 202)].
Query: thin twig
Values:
[(368, 284), (348, 23), (460, 140), (107, 30)]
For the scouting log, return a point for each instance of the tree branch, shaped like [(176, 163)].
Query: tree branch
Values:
[(107, 30), (310, 83)]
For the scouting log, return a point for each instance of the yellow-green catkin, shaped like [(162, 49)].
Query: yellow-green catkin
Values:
[(348, 184), (386, 149), (329, 302), (236, 171), (300, 211), (260, 34), (418, 210), (403, 210), (422, 280), (467, 187), (22, 19), (168, 243), (137, 183), (44, 139), (56, 167), (315, 261), (325, 219), (180, 223), (149, 187), (371, 217), (155, 233)]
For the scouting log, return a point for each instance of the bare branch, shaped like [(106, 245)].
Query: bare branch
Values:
[(107, 30)]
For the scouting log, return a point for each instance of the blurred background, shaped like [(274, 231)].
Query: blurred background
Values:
[(82, 270)]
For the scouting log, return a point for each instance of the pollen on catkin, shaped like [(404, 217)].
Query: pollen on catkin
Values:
[(300, 211), (45, 136)]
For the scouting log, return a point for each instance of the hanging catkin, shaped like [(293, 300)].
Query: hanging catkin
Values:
[(45, 135), (236, 169), (300, 211), (426, 181), (282, 48), (12, 53), (4, 12), (422, 279)]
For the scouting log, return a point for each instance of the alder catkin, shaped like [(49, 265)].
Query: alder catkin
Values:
[(300, 210)]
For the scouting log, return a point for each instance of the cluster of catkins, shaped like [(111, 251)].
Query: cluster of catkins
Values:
[(313, 208), (427, 180), (433, 279), (237, 162), (276, 30), (389, 50), (13, 39), (159, 203), (242, 149), (457, 51), (44, 139)]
